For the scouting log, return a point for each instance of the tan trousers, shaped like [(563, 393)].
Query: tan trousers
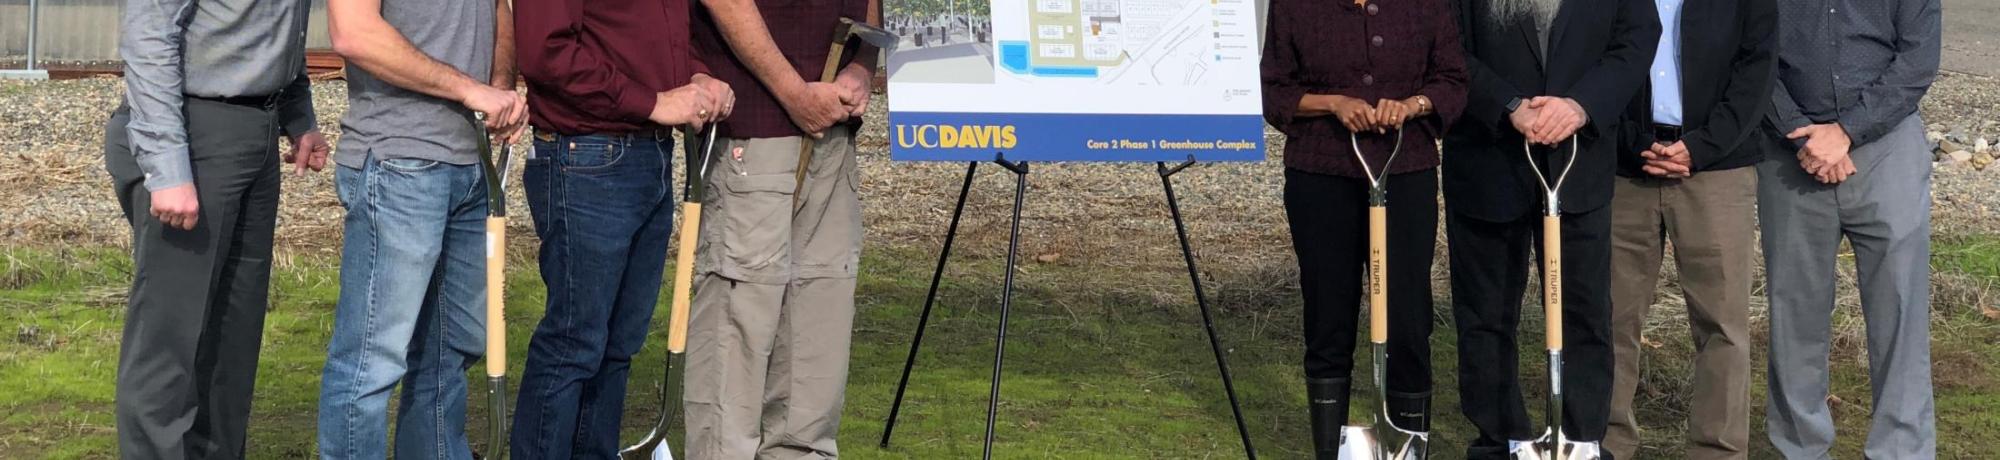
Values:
[(774, 301), (1709, 219)]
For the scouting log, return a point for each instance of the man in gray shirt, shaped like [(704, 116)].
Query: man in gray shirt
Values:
[(1845, 156), (193, 158), (413, 263)]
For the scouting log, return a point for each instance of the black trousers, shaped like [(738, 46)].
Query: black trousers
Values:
[(1489, 271), (195, 314), (1329, 223)]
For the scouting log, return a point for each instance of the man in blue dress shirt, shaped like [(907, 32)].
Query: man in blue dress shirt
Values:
[(1686, 175)]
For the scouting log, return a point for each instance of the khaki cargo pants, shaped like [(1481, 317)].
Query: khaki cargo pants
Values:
[(774, 301)]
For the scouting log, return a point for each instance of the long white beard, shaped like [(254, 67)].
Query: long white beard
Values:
[(1508, 11)]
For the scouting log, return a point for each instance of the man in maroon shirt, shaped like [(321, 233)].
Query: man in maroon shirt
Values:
[(774, 294), (606, 80)]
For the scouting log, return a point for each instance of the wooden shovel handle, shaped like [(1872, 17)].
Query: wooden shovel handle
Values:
[(1552, 299), (677, 319), (496, 297), (826, 75), (1378, 278)]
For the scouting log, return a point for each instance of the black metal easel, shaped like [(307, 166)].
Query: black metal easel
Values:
[(1020, 170)]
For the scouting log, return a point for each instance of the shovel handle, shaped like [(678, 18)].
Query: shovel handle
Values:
[(1552, 299), (1378, 277), (496, 297), (826, 75), (677, 319)]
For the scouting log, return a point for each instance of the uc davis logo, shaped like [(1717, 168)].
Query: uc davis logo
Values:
[(956, 137)]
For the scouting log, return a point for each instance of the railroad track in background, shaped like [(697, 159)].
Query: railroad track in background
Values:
[(321, 64)]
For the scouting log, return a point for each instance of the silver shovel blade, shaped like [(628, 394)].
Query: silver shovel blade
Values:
[(1582, 451), (1416, 446), (1359, 443), (1555, 446)]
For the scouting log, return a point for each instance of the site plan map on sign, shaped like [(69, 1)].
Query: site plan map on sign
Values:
[(1075, 80), (1152, 41)]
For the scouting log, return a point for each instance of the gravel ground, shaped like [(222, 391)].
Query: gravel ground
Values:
[(1102, 215)]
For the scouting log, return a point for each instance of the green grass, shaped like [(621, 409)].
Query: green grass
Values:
[(1095, 368)]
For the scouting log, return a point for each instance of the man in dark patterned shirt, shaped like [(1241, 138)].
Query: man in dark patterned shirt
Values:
[(773, 310), (1845, 156)]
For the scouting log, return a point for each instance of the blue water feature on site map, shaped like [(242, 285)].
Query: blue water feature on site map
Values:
[(1014, 57)]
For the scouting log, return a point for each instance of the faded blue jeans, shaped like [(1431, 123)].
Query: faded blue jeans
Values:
[(603, 207), (411, 311)]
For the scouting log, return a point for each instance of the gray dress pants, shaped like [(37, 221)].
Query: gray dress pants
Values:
[(1884, 212), (195, 314)]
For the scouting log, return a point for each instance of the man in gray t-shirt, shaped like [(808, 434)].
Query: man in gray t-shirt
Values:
[(413, 262), (387, 120)]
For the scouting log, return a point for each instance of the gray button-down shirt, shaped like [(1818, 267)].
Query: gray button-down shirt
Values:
[(1861, 63), (207, 48)]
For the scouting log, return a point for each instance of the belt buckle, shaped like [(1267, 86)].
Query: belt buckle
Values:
[(1671, 133)]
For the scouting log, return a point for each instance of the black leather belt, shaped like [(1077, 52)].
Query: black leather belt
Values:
[(656, 133), (1666, 134), (265, 102)]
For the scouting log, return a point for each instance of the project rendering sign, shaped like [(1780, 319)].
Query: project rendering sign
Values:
[(1074, 80)]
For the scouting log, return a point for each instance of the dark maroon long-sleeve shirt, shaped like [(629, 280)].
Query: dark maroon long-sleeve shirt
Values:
[(597, 66), (803, 31), (1388, 49)]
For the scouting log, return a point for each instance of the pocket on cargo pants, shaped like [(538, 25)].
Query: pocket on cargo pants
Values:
[(747, 214)]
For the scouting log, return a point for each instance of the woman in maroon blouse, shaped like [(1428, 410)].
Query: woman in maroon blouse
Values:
[(1335, 71)]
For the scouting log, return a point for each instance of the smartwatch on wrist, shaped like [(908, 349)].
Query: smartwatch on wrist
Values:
[(1513, 105)]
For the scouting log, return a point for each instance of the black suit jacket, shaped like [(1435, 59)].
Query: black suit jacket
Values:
[(1599, 54), (1729, 64)]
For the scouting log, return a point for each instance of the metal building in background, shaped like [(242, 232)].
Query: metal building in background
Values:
[(83, 34)]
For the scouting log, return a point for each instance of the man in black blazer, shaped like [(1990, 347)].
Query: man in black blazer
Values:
[(1687, 173), (1555, 73)]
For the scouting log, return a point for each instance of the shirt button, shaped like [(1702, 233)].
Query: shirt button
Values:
[(1377, 41), (1374, 9), (1367, 79)]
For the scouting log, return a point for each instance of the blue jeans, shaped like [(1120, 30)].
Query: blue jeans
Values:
[(603, 207), (412, 305)]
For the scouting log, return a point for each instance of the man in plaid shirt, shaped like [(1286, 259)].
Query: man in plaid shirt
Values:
[(774, 293)]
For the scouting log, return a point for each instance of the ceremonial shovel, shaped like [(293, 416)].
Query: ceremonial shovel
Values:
[(1362, 442), (1554, 445), (496, 282), (655, 447), (848, 28)]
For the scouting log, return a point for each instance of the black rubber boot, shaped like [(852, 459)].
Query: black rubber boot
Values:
[(1412, 412), (1327, 403)]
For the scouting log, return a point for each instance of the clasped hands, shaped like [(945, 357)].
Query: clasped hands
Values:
[(1383, 116), (1824, 152), (816, 106), (1668, 161), (702, 101), (1548, 120)]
